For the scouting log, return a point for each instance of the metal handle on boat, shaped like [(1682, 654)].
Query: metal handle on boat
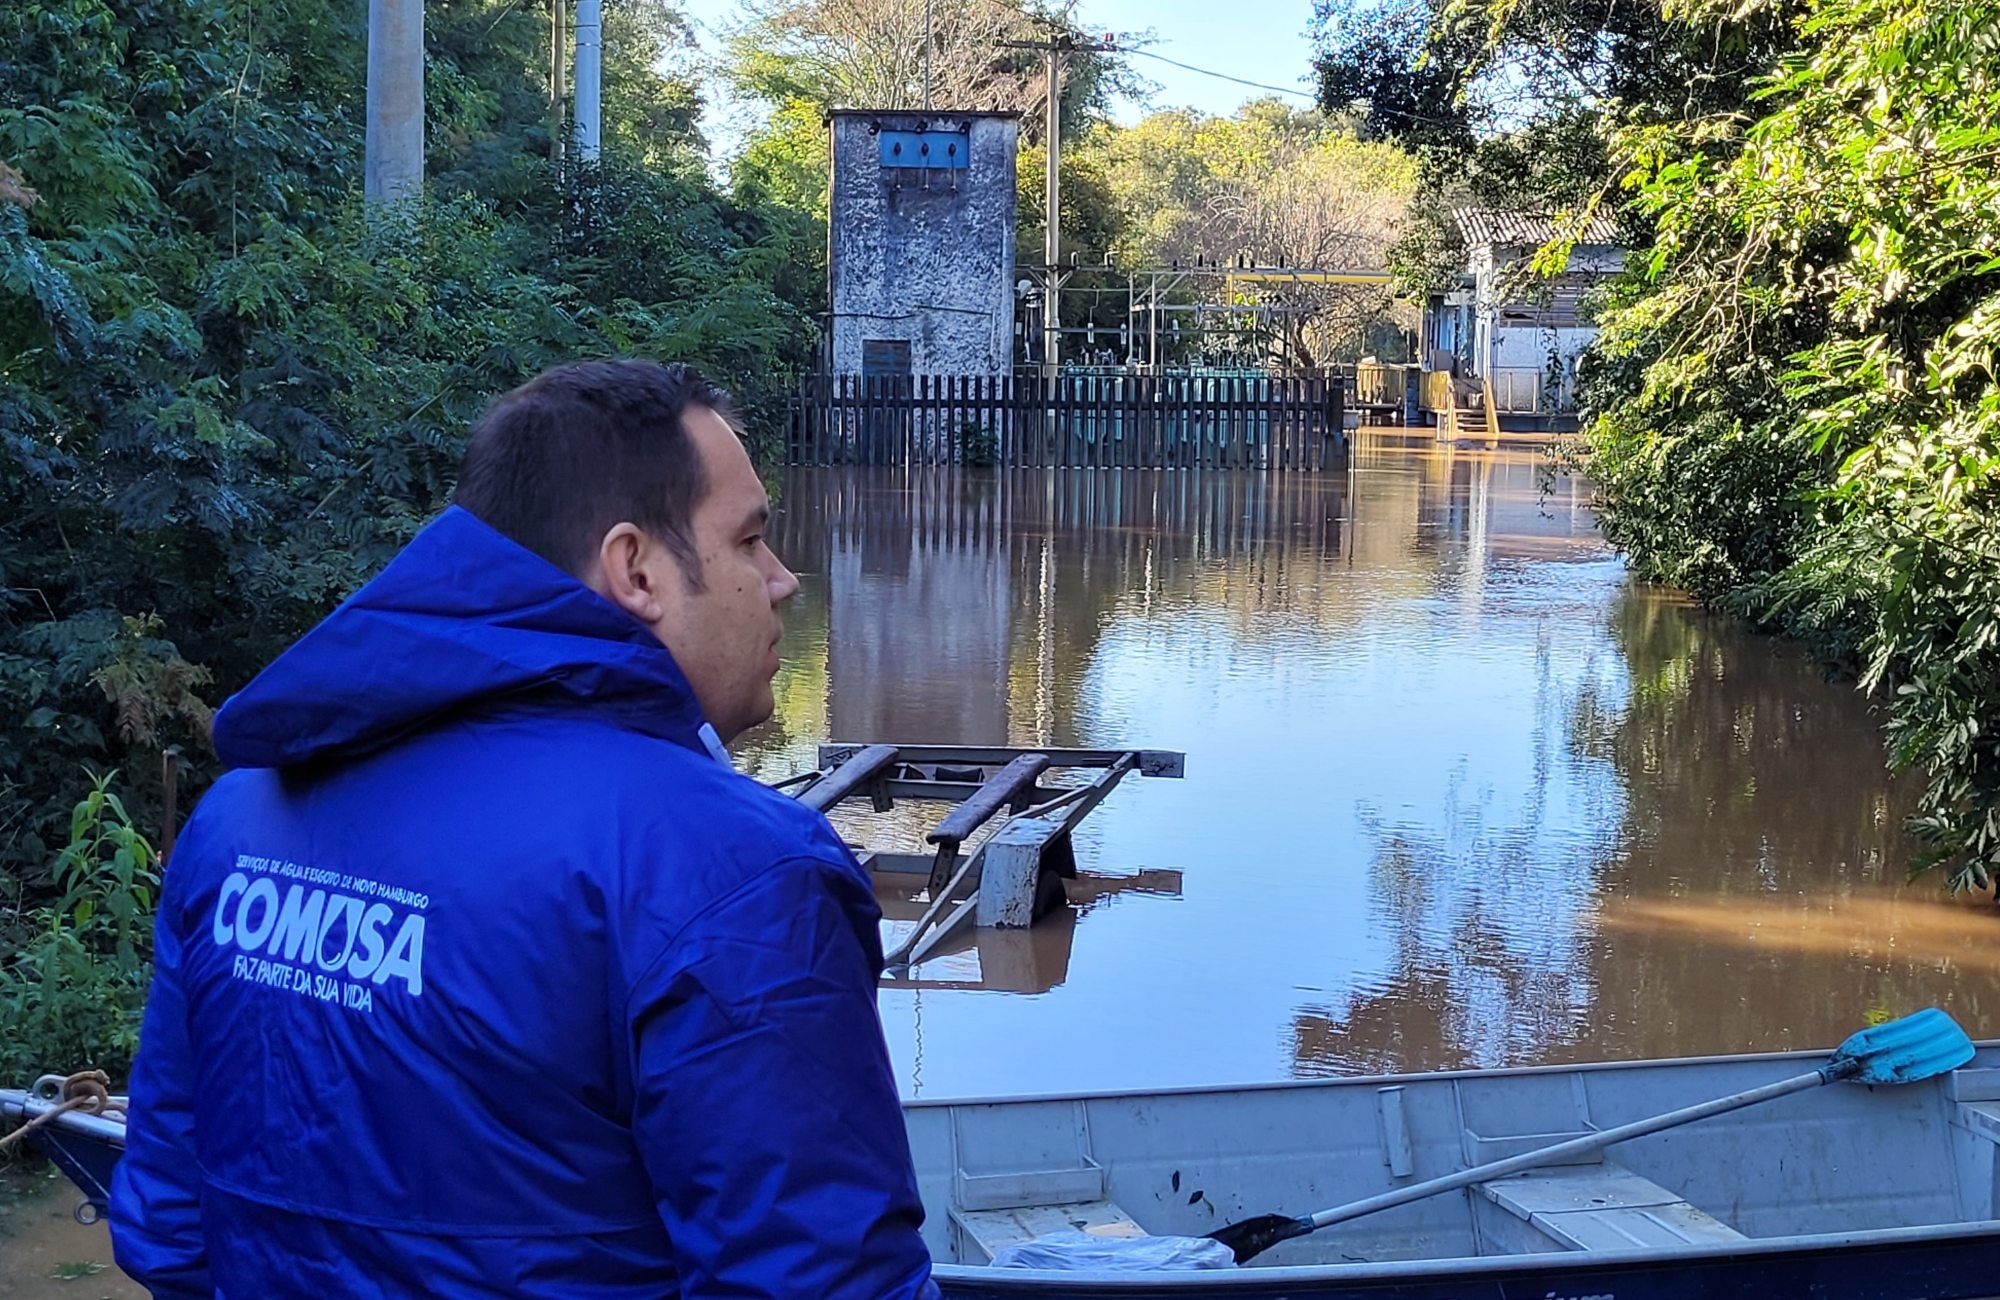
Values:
[(1914, 1048)]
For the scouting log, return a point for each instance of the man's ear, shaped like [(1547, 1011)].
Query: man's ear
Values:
[(625, 567)]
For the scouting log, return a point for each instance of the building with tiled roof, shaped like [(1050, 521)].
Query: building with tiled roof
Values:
[(1510, 336)]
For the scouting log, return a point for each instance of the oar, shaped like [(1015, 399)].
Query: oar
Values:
[(1900, 1051)]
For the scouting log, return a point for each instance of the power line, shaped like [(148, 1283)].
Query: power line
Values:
[(1128, 49), (1210, 72)]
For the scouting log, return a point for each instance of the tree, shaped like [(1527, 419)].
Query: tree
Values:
[(1507, 103), (1273, 185), (803, 57), (227, 395), (787, 163), (1818, 325), (871, 54), (1793, 409)]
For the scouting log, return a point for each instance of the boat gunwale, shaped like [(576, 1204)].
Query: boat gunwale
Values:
[(1463, 1266), (1346, 1080), (19, 1105), (1467, 1267)]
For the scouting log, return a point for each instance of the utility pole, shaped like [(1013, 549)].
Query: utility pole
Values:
[(1052, 218), (589, 77), (1053, 275), (393, 147), (558, 83)]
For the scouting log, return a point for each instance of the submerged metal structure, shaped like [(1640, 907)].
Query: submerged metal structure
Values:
[(1012, 876)]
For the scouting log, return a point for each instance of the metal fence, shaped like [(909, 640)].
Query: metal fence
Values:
[(1253, 421)]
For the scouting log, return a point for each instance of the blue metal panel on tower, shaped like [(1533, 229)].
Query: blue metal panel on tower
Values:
[(924, 149)]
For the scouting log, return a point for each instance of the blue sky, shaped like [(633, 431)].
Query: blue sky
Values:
[(1258, 40)]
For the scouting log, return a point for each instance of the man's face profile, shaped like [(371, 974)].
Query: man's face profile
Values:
[(718, 615)]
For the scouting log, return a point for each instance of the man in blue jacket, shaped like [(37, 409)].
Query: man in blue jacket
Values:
[(483, 973)]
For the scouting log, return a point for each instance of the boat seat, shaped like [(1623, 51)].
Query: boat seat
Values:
[(1977, 1094), (982, 1233), (1979, 1118), (1603, 1207)]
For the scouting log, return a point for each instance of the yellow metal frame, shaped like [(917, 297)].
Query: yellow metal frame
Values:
[(1280, 275)]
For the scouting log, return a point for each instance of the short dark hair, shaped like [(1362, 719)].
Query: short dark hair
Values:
[(576, 450)]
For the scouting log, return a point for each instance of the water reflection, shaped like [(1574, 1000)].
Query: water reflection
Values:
[(1458, 793), (1035, 960)]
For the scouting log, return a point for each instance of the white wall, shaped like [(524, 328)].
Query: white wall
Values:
[(932, 265), (1502, 345)]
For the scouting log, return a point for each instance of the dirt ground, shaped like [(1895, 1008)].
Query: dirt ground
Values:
[(45, 1254)]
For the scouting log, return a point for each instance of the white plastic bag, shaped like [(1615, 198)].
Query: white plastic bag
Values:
[(1075, 1252)]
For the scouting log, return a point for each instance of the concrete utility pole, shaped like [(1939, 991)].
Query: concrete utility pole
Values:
[(1052, 218), (558, 83), (1053, 275), (589, 76), (393, 156)]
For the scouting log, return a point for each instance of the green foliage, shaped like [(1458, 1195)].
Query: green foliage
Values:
[(1815, 337), (977, 447), (228, 394), (872, 54), (1094, 215), (803, 57), (1270, 183), (1794, 409), (1506, 103), (787, 162), (72, 995)]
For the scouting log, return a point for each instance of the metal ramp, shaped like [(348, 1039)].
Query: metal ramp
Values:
[(1014, 875)]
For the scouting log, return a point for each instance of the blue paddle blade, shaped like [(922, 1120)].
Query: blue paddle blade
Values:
[(1903, 1051)]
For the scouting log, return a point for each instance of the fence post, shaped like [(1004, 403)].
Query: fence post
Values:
[(1149, 422), (951, 397), (1065, 427), (982, 405), (1100, 421), (1239, 424), (874, 398), (817, 405), (975, 414), (1015, 421), (1308, 421), (1319, 393), (1016, 451), (857, 434), (836, 419), (814, 390), (795, 423), (1274, 405), (1291, 422), (1338, 404)]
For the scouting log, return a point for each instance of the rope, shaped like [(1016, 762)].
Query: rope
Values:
[(87, 1090)]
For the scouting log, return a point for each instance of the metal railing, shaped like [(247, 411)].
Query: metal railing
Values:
[(1517, 390), (1259, 421)]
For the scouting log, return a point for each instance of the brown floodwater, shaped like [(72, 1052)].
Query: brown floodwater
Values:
[(1459, 791)]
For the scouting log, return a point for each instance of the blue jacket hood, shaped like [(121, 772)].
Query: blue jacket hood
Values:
[(461, 617)]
